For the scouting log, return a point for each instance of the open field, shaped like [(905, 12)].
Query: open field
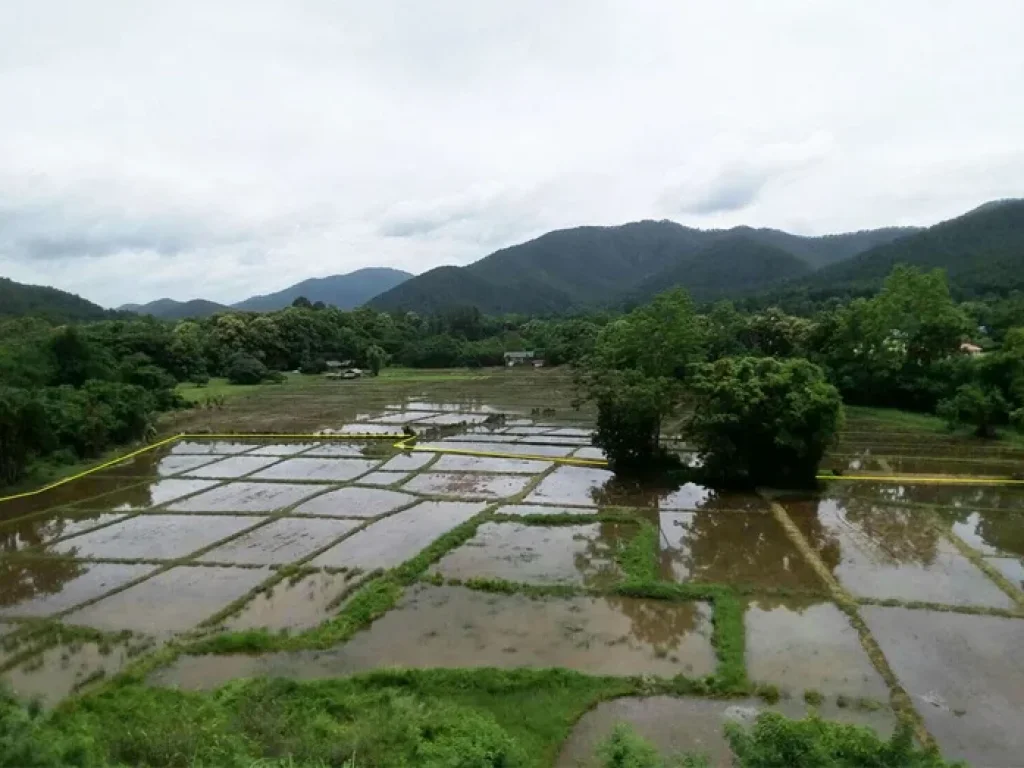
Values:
[(542, 592)]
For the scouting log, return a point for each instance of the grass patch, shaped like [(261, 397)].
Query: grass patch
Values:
[(638, 558), (421, 374), (429, 718)]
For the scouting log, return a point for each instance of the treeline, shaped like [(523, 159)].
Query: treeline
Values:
[(72, 392), (764, 390)]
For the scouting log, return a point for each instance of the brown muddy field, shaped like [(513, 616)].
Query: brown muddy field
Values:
[(859, 590)]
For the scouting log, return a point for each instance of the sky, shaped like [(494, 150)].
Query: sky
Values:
[(220, 149)]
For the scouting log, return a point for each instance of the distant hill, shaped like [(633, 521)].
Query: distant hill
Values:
[(342, 291), (728, 268), (169, 309), (18, 299), (599, 266), (981, 251)]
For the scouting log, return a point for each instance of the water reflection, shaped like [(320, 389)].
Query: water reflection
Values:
[(22, 581), (988, 531)]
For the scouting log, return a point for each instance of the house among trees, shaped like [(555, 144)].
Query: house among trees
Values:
[(519, 358), (970, 349)]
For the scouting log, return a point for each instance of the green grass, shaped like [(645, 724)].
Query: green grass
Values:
[(425, 374), (219, 387), (926, 423)]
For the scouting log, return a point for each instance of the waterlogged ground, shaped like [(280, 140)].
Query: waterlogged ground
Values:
[(874, 600)]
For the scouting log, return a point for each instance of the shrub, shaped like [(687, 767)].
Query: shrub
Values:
[(983, 408), (245, 369), (311, 366), (762, 421)]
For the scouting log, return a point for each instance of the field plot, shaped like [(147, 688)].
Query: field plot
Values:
[(494, 544)]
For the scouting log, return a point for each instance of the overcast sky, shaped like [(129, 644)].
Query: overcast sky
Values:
[(218, 149)]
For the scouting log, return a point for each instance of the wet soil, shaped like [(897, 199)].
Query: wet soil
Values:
[(281, 542)]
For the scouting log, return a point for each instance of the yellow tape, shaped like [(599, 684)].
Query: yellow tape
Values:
[(925, 479), (292, 436), (110, 463), (404, 439)]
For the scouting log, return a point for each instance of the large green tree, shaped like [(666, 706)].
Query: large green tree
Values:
[(762, 421)]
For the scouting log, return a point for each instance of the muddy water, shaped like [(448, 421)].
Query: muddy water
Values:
[(246, 497), (803, 645), (53, 676), (346, 448), (173, 601), (300, 604), (34, 531), (401, 417), (354, 502), (453, 462), (383, 478), (892, 552), (408, 462), (988, 531), (282, 449), (600, 487), (965, 675), (326, 470), (458, 627), (281, 542), (453, 418), (86, 488), (154, 537), (42, 586), (155, 464), (393, 540), (722, 548), (233, 466), (367, 429), (515, 449), (968, 497), (569, 554), (466, 485), (219, 447), (146, 495), (679, 725), (1011, 567)]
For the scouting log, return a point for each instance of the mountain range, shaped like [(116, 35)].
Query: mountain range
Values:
[(343, 291), (982, 252), (591, 267)]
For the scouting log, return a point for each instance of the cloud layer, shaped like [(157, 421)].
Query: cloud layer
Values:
[(225, 149)]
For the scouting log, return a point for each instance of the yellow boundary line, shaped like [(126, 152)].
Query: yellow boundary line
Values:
[(407, 443)]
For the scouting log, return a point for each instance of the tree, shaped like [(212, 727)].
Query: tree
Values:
[(659, 339), (245, 369), (24, 431), (630, 411), (762, 421), (376, 358), (76, 359), (303, 302), (982, 407)]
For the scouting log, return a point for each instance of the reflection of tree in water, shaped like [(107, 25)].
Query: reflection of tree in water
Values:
[(633, 492), (31, 533), (894, 535), (25, 580), (596, 561), (740, 548), (660, 623), (1002, 530)]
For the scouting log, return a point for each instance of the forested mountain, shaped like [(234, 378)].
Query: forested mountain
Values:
[(594, 266), (342, 291), (728, 268), (17, 299), (981, 251), (169, 309)]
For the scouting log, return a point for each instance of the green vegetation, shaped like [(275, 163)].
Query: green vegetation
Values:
[(20, 300), (762, 421)]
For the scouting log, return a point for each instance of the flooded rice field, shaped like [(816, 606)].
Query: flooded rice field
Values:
[(538, 558)]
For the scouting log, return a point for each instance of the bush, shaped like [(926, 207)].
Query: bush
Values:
[(24, 431), (762, 421), (245, 369), (777, 742), (311, 366), (983, 408)]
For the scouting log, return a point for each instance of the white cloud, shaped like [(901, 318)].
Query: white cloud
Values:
[(223, 149)]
